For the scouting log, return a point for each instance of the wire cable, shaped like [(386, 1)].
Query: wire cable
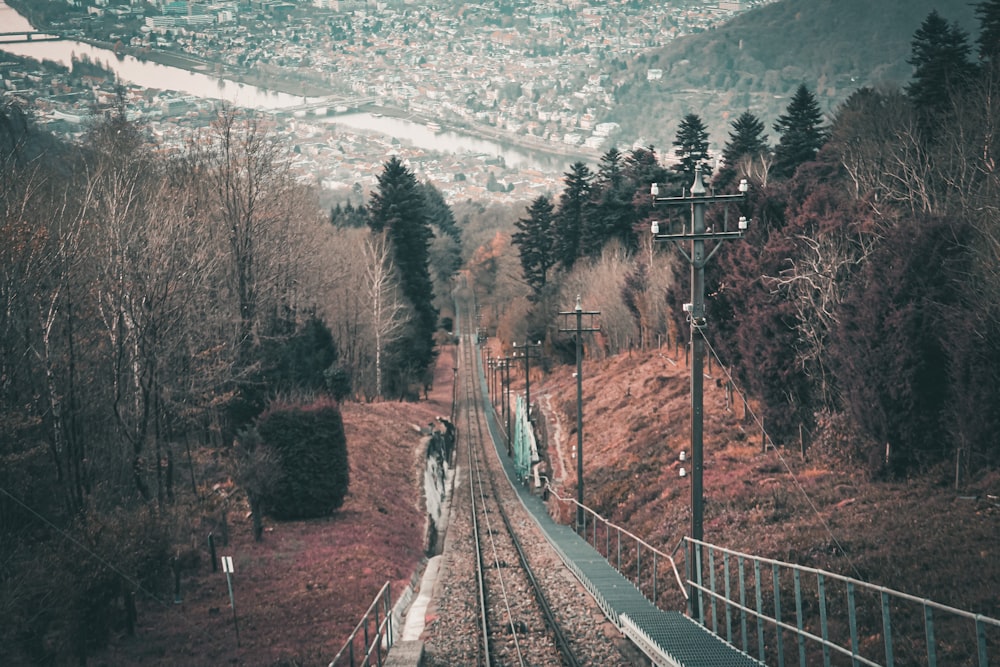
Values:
[(139, 588), (798, 484)]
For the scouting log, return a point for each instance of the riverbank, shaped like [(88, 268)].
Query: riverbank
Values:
[(287, 83), (292, 84)]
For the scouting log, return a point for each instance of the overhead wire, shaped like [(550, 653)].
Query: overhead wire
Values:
[(777, 451), (134, 582)]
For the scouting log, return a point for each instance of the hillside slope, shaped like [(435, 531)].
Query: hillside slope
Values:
[(918, 535), (757, 60), (301, 590)]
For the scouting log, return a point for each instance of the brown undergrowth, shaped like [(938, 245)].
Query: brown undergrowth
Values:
[(300, 591), (920, 535)]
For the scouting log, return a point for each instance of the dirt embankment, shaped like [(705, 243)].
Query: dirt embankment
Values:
[(919, 535)]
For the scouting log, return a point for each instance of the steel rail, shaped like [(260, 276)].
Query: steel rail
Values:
[(474, 413)]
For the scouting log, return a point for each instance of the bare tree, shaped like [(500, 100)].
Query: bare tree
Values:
[(600, 284), (388, 312), (814, 283), (755, 168)]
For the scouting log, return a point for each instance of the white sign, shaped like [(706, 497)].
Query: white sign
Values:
[(227, 564)]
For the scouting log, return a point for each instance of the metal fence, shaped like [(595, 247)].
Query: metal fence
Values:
[(785, 613), (648, 568), (372, 637), (782, 613)]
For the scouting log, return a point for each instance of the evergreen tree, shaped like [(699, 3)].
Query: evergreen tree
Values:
[(536, 243), (446, 249), (941, 65), (801, 133), (642, 168), (570, 215), (691, 145), (439, 214), (398, 206), (746, 138), (610, 212), (348, 215), (988, 13)]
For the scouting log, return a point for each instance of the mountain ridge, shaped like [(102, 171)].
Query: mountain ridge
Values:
[(757, 60)]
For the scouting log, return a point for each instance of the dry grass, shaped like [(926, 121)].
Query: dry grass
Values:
[(918, 535), (302, 589)]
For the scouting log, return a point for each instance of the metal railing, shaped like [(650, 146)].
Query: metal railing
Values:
[(633, 557), (840, 621), (372, 636)]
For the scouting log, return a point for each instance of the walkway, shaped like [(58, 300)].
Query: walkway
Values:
[(669, 638)]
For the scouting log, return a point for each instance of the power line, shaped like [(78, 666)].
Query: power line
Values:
[(100, 559), (781, 458)]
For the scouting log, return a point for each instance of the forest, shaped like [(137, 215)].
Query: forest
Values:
[(864, 292), (757, 60), (171, 314), (173, 319)]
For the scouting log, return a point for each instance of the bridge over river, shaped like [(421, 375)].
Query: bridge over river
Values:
[(338, 103), (26, 36)]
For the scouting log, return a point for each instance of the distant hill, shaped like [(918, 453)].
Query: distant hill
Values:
[(758, 59)]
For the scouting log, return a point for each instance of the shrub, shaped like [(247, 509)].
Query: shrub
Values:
[(312, 451), (65, 599)]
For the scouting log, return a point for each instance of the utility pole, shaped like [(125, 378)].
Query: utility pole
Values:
[(489, 375), (493, 381), (579, 329), (697, 235), (526, 353), (506, 401)]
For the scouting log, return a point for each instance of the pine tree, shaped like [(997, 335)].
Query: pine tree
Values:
[(398, 207), (570, 215), (988, 13), (610, 213), (691, 145), (446, 249), (439, 214), (941, 65), (747, 138), (536, 242), (801, 133), (642, 168)]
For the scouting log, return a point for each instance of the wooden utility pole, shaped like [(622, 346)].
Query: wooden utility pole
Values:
[(697, 235), (579, 329)]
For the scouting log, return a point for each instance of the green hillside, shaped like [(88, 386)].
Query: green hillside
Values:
[(757, 60)]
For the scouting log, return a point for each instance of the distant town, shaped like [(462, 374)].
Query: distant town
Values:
[(538, 75)]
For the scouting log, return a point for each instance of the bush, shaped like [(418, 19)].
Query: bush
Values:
[(312, 450), (65, 596)]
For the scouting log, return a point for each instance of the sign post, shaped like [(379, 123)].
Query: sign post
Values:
[(227, 567)]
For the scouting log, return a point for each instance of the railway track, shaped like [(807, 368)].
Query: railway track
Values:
[(516, 623)]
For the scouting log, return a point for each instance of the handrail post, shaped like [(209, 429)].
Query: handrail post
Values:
[(780, 645), (743, 601), (798, 618), (929, 630), (711, 580), (887, 630), (852, 619), (821, 590), (729, 608)]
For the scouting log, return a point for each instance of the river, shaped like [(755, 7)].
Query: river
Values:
[(163, 77)]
